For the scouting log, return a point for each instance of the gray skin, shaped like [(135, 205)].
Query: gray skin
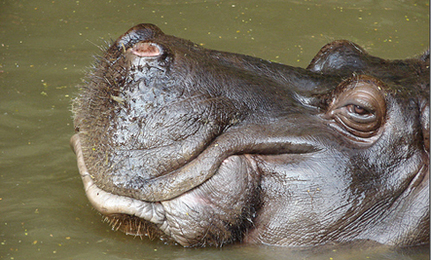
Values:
[(203, 147)]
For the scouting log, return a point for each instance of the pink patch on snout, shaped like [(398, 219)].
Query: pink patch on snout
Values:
[(145, 49)]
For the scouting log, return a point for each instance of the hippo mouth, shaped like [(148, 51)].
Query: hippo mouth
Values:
[(152, 201), (228, 191)]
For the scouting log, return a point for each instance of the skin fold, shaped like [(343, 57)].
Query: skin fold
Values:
[(201, 147)]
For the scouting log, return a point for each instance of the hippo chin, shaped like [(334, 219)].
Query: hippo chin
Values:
[(203, 147)]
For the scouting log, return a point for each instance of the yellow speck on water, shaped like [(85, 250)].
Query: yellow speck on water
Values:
[(67, 238), (35, 242)]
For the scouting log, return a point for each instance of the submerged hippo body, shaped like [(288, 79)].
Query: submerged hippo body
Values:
[(206, 148)]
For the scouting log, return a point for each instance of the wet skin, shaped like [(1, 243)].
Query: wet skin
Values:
[(203, 147)]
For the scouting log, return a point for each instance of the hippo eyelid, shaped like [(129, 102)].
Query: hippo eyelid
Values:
[(366, 117), (359, 108)]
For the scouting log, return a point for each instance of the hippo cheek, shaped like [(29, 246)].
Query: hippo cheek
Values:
[(219, 210)]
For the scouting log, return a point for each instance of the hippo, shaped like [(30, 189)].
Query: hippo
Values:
[(200, 147)]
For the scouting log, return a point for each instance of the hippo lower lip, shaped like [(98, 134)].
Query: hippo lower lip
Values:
[(207, 148), (108, 203)]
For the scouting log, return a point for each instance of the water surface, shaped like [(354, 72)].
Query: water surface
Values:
[(47, 46)]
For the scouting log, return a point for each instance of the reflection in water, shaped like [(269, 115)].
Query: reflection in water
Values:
[(46, 47)]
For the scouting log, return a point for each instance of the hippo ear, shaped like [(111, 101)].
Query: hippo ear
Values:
[(338, 55)]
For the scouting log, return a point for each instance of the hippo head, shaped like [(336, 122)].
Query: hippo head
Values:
[(206, 148)]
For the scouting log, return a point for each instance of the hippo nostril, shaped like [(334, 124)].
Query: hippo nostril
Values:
[(146, 49), (138, 33)]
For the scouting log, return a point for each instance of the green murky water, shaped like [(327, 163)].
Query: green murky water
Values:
[(46, 47)]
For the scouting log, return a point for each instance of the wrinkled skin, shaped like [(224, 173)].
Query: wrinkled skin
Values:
[(206, 148)]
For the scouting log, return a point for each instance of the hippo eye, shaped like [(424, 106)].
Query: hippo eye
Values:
[(356, 109), (359, 110)]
